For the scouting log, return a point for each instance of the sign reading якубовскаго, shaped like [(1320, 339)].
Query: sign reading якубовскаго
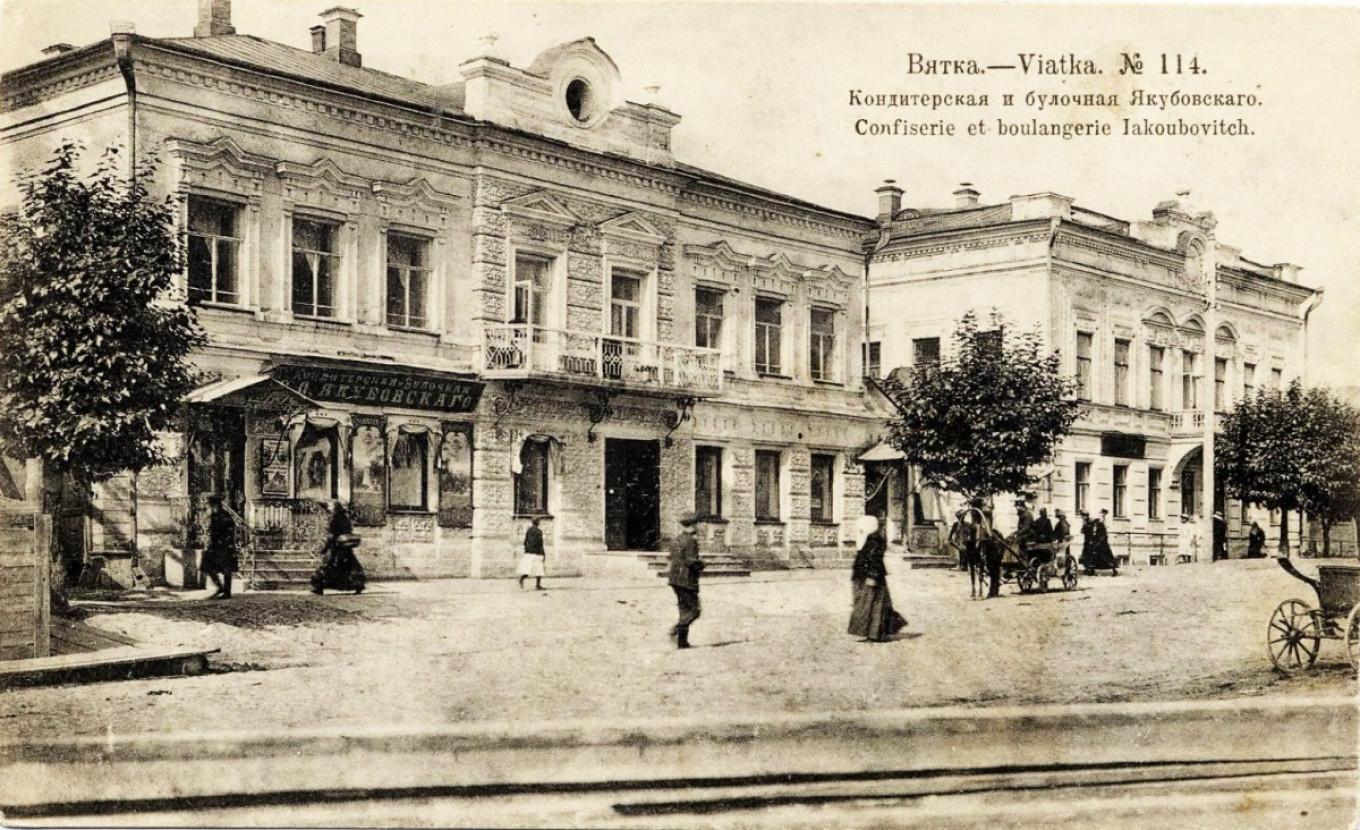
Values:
[(413, 390)]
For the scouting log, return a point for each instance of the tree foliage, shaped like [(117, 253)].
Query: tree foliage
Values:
[(1292, 449), (977, 422), (93, 348)]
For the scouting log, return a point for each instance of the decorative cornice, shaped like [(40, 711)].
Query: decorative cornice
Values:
[(931, 247), (88, 70)]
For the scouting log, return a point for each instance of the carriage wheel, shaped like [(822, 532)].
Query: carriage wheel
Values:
[(1070, 575), (1025, 580), (1292, 637), (1353, 637)]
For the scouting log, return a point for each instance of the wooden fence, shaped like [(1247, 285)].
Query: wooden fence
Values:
[(25, 580)]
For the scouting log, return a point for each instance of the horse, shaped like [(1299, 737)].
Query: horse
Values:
[(973, 549)]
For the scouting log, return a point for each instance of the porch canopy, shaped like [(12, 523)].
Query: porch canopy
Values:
[(882, 451), (259, 392)]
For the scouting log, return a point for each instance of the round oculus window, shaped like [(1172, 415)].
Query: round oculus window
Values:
[(580, 100)]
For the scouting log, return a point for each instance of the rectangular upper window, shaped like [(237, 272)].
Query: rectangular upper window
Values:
[(533, 288), (1121, 372), (1189, 381), (873, 359), (708, 318), (1121, 490), (316, 267), (1220, 384), (925, 351), (1156, 377), (822, 345), (625, 304), (1248, 380), (214, 251), (1085, 342), (1082, 477), (769, 317), (408, 281)]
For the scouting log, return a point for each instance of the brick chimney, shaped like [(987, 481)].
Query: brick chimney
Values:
[(889, 200), (214, 18), (341, 36), (318, 39), (966, 196)]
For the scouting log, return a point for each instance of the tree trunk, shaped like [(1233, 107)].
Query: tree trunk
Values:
[(1284, 533), (1326, 537)]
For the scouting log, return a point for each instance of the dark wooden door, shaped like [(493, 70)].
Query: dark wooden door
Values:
[(632, 475)]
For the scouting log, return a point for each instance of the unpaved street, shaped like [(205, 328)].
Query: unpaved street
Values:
[(461, 650)]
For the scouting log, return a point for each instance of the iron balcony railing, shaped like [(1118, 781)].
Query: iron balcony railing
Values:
[(518, 350)]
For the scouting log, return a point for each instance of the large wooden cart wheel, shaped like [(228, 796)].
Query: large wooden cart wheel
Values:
[(1292, 637), (1025, 580), (1353, 637), (1070, 575)]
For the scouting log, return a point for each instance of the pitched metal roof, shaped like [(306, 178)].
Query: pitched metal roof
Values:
[(305, 65)]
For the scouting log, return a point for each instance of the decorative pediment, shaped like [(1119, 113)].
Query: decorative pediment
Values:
[(541, 207), (415, 201), (776, 274), (716, 263), (633, 227), (323, 183), (220, 164)]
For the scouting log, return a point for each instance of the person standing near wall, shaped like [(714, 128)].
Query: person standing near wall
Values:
[(531, 563), (685, 567), (219, 560)]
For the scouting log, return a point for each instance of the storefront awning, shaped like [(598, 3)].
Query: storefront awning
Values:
[(881, 451), (251, 392)]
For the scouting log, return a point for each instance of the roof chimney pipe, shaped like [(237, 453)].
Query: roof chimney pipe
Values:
[(318, 39), (57, 49), (966, 196), (214, 18), (341, 35), (889, 200)]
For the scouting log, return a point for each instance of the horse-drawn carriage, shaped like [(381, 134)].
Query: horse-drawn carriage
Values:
[(1031, 566), (1296, 629)]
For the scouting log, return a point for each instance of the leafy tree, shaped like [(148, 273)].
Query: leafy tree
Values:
[(976, 423), (93, 348), (1293, 449)]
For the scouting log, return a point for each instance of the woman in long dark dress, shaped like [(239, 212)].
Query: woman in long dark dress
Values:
[(340, 569), (873, 617)]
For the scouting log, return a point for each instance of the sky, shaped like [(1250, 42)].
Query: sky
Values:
[(765, 94)]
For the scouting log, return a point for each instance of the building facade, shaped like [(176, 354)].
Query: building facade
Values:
[(457, 308), (1159, 350)]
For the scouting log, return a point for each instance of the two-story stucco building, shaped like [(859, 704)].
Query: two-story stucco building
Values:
[(1130, 307), (459, 307)]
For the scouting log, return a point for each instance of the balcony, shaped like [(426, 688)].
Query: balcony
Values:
[(517, 351), (1190, 422)]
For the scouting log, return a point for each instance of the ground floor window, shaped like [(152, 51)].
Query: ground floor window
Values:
[(531, 482), (316, 457), (455, 475), (708, 481), (409, 470), (1154, 493), (1083, 485), (823, 484), (1189, 493), (767, 485), (1121, 487)]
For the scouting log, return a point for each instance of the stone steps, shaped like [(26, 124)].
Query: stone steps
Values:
[(282, 570), (715, 564)]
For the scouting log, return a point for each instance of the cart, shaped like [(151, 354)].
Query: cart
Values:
[(1296, 629), (1031, 571)]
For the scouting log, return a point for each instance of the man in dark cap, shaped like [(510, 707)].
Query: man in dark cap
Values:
[(685, 567)]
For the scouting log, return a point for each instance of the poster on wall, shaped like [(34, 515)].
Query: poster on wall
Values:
[(274, 467), (368, 483), (455, 475)]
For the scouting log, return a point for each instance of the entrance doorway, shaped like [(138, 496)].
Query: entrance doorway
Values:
[(632, 486)]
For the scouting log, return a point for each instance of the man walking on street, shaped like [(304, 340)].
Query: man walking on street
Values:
[(685, 566)]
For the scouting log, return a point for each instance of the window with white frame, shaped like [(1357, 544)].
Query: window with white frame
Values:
[(1248, 380), (408, 475), (1154, 484), (767, 485), (708, 318), (533, 289), (822, 344), (214, 251), (408, 281), (1156, 377), (769, 320), (1082, 479), (1121, 372), (822, 503), (1085, 341), (316, 267), (1220, 384), (625, 304), (1189, 380), (873, 359), (1121, 490)]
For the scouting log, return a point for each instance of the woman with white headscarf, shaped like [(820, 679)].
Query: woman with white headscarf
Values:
[(872, 617)]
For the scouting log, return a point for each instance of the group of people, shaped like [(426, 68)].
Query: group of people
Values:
[(339, 569)]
